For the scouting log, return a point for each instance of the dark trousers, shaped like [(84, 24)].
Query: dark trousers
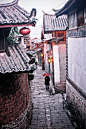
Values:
[(47, 87)]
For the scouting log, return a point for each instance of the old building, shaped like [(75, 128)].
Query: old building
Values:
[(75, 58), (37, 48), (15, 95), (55, 49)]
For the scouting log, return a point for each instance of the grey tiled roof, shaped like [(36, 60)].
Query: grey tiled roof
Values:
[(17, 61), (70, 6), (30, 53), (51, 23), (12, 14), (66, 7)]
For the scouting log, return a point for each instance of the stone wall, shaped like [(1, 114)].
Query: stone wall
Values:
[(76, 71), (15, 101), (77, 104)]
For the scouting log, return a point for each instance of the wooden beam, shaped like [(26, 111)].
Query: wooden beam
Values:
[(17, 25)]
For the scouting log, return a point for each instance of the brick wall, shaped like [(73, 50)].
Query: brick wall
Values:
[(15, 101), (77, 104)]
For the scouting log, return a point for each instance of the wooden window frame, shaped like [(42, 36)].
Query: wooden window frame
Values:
[(73, 19)]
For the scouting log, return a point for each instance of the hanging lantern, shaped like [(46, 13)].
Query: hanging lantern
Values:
[(41, 55), (24, 31), (49, 60)]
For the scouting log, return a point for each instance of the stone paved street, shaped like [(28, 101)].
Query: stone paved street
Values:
[(48, 110)]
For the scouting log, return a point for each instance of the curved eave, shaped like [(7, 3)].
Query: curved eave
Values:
[(12, 15), (9, 4), (8, 72), (48, 14), (17, 25), (55, 10), (65, 9)]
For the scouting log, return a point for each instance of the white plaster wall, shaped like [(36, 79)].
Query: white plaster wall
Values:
[(22, 42), (77, 61), (44, 51), (62, 62), (46, 48), (51, 66), (56, 64)]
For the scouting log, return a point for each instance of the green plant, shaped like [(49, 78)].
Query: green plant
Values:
[(13, 35)]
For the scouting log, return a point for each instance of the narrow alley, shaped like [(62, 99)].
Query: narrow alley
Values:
[(48, 111)]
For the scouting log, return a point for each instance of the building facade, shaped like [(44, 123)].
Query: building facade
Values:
[(75, 59), (55, 49), (15, 69)]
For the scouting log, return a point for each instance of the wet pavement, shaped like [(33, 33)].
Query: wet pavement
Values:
[(48, 110)]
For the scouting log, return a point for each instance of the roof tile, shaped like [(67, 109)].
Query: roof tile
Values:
[(13, 14), (51, 23), (17, 61)]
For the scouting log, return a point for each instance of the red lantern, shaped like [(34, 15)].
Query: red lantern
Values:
[(24, 31)]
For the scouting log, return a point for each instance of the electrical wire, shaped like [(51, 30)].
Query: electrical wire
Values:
[(49, 12), (55, 7)]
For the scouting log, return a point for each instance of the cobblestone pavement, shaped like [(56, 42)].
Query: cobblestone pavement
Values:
[(48, 112)]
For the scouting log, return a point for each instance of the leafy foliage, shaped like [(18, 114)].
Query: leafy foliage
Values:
[(13, 36)]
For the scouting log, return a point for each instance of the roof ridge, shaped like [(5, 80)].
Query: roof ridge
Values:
[(9, 4), (48, 14)]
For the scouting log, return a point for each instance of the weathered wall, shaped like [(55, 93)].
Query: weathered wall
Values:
[(62, 62), (15, 101), (46, 48), (77, 61), (60, 67), (77, 104), (56, 64), (76, 76)]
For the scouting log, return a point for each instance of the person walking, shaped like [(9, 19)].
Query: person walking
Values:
[(47, 82)]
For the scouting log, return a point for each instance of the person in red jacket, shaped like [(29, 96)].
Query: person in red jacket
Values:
[(47, 82)]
